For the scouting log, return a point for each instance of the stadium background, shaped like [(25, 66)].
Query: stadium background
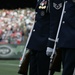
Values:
[(16, 18)]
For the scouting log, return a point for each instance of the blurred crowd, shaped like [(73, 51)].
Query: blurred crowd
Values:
[(15, 25)]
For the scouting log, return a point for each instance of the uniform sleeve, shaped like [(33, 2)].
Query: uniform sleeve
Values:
[(54, 23)]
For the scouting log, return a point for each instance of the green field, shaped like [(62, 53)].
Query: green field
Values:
[(10, 67)]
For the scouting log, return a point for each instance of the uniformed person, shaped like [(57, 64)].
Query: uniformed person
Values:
[(67, 38), (38, 40), (48, 14), (66, 41)]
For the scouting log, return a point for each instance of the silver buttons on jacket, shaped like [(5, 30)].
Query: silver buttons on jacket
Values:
[(33, 30), (63, 22)]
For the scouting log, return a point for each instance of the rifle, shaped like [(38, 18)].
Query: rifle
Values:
[(24, 62), (53, 54)]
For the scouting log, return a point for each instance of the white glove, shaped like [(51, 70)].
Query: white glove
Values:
[(49, 51)]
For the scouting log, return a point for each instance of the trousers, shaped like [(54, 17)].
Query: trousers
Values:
[(68, 61), (39, 63)]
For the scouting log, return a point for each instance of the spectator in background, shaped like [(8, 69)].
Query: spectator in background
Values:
[(10, 20)]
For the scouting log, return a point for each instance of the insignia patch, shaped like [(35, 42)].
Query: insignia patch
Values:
[(57, 6), (43, 5)]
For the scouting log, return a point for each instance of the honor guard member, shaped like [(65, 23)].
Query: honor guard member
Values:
[(38, 40), (66, 40), (47, 18)]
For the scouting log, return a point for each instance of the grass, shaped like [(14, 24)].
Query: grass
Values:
[(10, 67)]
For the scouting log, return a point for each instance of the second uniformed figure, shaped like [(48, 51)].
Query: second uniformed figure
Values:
[(67, 38)]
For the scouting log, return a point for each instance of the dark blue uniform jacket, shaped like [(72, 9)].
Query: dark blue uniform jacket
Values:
[(45, 25), (67, 33), (40, 33)]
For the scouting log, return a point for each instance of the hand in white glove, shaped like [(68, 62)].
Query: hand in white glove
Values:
[(49, 51)]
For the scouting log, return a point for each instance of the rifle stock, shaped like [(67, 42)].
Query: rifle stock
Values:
[(24, 66), (56, 63)]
